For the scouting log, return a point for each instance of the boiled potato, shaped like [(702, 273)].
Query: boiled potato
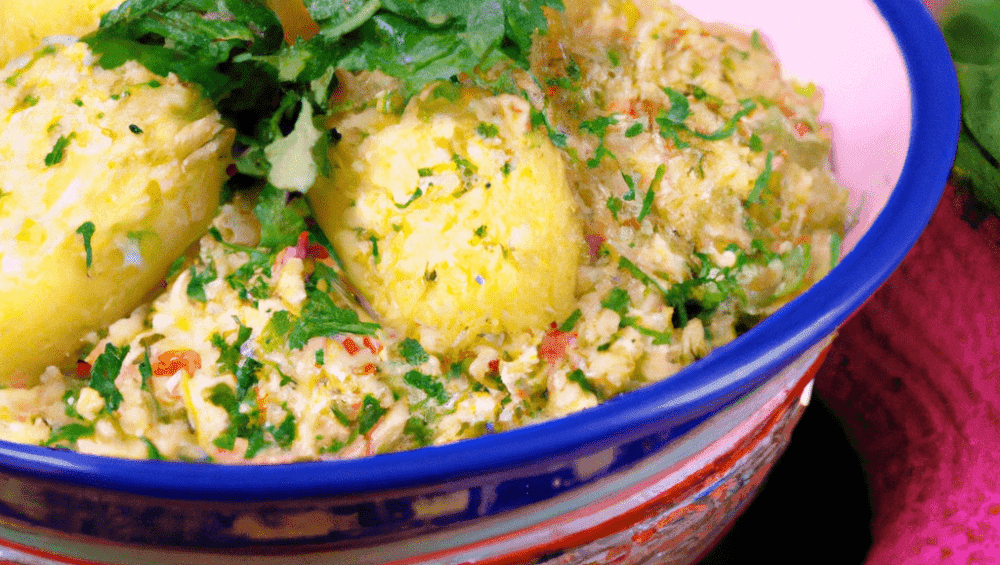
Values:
[(24, 23), (106, 177), (454, 219)]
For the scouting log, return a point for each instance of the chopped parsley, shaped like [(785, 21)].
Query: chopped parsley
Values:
[(413, 197), (104, 372), (69, 433), (634, 130), (413, 352), (135, 129), (371, 413), (321, 317), (571, 321), (86, 230), (196, 286), (419, 431), (432, 387), (579, 378), (56, 155), (487, 130), (762, 181), (647, 201)]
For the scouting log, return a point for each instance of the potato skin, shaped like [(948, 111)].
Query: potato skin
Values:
[(143, 159)]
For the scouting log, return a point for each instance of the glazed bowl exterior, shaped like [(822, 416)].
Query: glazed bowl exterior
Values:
[(652, 476)]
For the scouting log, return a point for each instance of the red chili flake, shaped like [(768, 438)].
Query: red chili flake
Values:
[(304, 249), (169, 362), (802, 128), (374, 346), (83, 369), (554, 345), (350, 346), (366, 369), (495, 366)]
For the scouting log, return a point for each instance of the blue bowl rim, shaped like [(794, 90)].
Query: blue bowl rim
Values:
[(705, 387)]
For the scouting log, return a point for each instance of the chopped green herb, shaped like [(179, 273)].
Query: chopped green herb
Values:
[(56, 155), (598, 126), (539, 119), (617, 301), (413, 352), (419, 430), (320, 357), (86, 230), (196, 286), (135, 129), (647, 201), (614, 58), (375, 253), (433, 388), (762, 181), (579, 378), (835, 242), (104, 372), (634, 130), (413, 197), (746, 106), (321, 317), (285, 432), (756, 144), (151, 451), (487, 130), (571, 321), (481, 231), (371, 413), (425, 172), (340, 416), (614, 204), (69, 433)]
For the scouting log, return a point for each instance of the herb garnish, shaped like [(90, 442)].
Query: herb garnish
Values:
[(86, 229), (104, 372), (55, 156)]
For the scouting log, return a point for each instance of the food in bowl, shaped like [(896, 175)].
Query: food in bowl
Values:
[(470, 255)]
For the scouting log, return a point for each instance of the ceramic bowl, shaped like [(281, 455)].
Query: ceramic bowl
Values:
[(652, 476)]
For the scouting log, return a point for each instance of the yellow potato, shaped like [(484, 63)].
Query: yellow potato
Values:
[(138, 158), (24, 23), (455, 219)]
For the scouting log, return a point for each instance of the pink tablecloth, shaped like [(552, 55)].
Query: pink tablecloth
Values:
[(915, 378)]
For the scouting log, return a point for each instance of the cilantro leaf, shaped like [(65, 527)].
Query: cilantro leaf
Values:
[(433, 388), (419, 430), (86, 229), (762, 181), (196, 286), (580, 379), (321, 317), (371, 413), (55, 156), (104, 372), (69, 433), (413, 352), (281, 220)]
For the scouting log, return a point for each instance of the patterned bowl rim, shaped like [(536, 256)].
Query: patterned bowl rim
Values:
[(694, 392)]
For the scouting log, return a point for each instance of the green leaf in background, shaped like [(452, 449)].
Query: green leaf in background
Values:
[(972, 31)]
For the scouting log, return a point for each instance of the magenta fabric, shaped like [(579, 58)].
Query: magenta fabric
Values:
[(915, 378)]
